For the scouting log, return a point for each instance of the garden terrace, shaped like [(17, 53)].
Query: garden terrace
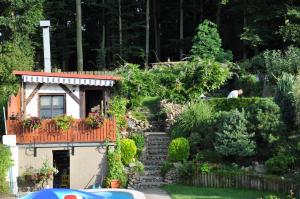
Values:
[(48, 132)]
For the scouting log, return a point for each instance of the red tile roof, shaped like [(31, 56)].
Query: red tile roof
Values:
[(67, 75)]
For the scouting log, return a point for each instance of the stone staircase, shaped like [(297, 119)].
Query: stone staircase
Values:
[(156, 149)]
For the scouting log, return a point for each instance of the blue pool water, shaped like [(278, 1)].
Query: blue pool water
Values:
[(114, 195)]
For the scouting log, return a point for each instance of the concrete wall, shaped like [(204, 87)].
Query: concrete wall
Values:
[(86, 163), (72, 108)]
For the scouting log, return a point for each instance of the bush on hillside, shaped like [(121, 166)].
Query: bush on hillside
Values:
[(285, 100), (192, 120), (128, 151), (232, 138), (179, 150), (5, 163), (265, 120), (139, 141), (281, 162)]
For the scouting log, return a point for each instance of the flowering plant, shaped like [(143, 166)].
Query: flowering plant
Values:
[(64, 122), (32, 122), (94, 120)]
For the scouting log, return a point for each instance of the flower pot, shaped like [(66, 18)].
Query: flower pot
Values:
[(115, 184)]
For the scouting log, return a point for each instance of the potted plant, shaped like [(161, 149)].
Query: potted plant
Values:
[(116, 177), (94, 120), (32, 122), (46, 172), (64, 122)]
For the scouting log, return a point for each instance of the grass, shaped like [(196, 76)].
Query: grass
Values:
[(188, 192)]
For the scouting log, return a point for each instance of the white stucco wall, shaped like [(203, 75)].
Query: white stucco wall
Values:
[(72, 108)]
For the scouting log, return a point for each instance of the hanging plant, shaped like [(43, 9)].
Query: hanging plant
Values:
[(32, 122), (64, 122), (94, 120)]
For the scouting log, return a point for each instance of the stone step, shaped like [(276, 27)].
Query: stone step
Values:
[(154, 151), (152, 172), (150, 185), (151, 162), (156, 134), (152, 167), (151, 179), (156, 157)]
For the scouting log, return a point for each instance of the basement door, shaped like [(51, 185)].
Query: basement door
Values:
[(61, 160)]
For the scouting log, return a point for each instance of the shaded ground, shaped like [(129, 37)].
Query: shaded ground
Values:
[(188, 192)]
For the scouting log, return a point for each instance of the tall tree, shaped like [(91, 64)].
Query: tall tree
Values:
[(181, 28), (147, 33), (120, 27), (79, 36), (156, 17)]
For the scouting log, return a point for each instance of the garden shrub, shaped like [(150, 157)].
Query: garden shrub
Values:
[(281, 162), (207, 43), (208, 155), (179, 150), (232, 138), (117, 108), (5, 163), (128, 151), (166, 167), (296, 95), (185, 170), (192, 120), (285, 99), (139, 141), (116, 168), (265, 120), (205, 167), (225, 104), (250, 84), (178, 83)]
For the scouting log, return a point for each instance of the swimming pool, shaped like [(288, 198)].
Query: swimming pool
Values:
[(117, 193)]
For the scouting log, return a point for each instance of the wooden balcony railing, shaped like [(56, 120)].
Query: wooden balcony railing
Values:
[(50, 133)]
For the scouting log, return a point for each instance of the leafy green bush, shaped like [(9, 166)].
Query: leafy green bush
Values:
[(207, 43), (285, 99), (185, 170), (116, 168), (128, 151), (166, 167), (178, 83), (224, 104), (5, 163), (281, 162), (117, 108), (139, 141), (179, 150), (250, 84), (232, 138), (205, 168), (265, 120), (192, 120), (64, 122), (296, 95)]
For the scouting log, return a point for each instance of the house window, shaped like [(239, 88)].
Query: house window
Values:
[(52, 105)]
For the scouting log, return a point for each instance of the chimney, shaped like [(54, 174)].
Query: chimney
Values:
[(45, 24)]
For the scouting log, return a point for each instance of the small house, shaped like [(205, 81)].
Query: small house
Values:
[(77, 152)]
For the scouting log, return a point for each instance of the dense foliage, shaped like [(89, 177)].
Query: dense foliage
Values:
[(117, 109), (128, 151), (5, 163), (179, 150), (207, 43), (177, 83), (232, 138), (139, 141)]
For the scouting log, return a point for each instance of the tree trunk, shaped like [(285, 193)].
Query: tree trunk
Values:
[(156, 5), (79, 36), (245, 23), (147, 34), (218, 13), (103, 35), (181, 30), (120, 27)]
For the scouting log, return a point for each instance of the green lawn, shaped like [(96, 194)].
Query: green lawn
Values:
[(188, 192)]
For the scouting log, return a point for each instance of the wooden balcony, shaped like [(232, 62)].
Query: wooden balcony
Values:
[(50, 133)]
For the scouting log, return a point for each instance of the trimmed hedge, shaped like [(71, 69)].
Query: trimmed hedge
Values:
[(225, 104)]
